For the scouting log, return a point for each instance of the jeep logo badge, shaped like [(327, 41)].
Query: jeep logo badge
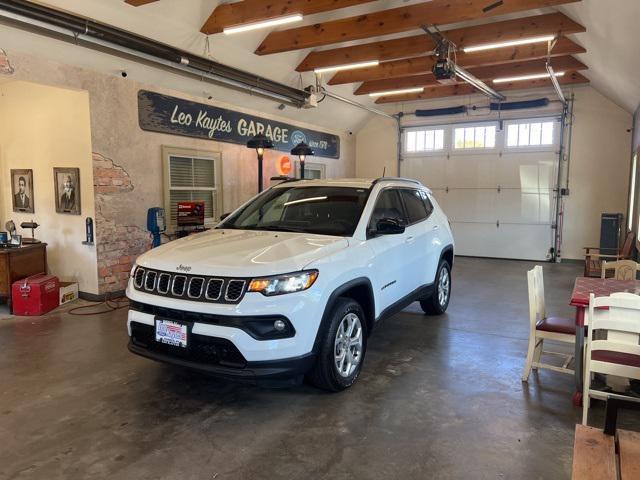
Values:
[(183, 268)]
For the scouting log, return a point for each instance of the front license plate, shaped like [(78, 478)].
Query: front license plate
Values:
[(171, 333)]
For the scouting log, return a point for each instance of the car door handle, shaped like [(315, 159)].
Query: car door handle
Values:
[(436, 227), (409, 239)]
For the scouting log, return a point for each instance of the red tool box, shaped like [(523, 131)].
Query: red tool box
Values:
[(35, 295)]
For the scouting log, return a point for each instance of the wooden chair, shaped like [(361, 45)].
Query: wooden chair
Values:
[(543, 328), (594, 256), (623, 269), (617, 353)]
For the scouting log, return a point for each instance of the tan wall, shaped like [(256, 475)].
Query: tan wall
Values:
[(128, 160), (599, 170), (41, 128), (377, 148)]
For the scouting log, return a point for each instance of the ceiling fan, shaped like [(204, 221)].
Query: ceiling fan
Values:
[(447, 71)]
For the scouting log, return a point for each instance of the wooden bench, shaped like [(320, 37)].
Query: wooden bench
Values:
[(597, 455)]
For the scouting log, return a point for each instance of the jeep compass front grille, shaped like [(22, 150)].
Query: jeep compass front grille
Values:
[(189, 287)]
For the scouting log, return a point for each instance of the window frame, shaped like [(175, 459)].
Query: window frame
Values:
[(531, 148), (369, 229), (406, 210), (320, 167), (214, 156), (474, 150), (423, 153)]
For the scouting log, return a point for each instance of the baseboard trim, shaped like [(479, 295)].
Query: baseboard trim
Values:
[(572, 260)]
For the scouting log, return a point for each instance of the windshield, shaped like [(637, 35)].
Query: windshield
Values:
[(322, 210)]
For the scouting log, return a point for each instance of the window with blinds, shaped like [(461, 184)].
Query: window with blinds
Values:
[(191, 178)]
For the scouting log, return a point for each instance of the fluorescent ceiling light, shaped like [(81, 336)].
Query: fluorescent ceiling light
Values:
[(526, 77), (510, 43), (397, 92), (350, 66), (263, 24)]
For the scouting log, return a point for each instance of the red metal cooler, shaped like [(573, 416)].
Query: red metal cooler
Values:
[(35, 295)]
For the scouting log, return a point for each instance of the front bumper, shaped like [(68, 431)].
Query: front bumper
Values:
[(251, 372), (302, 310)]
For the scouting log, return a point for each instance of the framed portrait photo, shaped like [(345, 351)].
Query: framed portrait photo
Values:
[(22, 190), (67, 187)]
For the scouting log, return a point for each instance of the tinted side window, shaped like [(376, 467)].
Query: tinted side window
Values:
[(427, 203), (388, 205), (416, 209)]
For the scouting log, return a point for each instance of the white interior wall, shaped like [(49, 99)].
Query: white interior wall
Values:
[(599, 170), (44, 127), (377, 148)]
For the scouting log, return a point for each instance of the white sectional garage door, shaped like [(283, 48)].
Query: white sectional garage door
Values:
[(496, 186)]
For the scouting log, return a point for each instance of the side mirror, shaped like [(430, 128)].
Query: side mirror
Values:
[(224, 215), (389, 226)]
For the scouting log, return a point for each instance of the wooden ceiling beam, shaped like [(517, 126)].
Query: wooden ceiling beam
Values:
[(395, 20), (442, 91), (564, 64), (138, 3), (250, 11), (538, 25), (422, 65)]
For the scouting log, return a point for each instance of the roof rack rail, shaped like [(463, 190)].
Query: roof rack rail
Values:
[(395, 179), (285, 179)]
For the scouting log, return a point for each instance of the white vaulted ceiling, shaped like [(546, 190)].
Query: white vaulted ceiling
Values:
[(610, 41)]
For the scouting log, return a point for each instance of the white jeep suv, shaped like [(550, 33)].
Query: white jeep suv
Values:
[(292, 282)]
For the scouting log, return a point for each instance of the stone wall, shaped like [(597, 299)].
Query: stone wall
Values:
[(118, 244)]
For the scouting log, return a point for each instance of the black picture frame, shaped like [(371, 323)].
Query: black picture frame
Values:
[(22, 190), (67, 187)]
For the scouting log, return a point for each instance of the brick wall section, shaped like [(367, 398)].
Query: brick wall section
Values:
[(118, 245)]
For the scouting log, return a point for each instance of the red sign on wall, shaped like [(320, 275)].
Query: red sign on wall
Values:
[(284, 165), (190, 213)]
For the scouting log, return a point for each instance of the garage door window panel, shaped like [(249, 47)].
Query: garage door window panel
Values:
[(424, 140), (479, 137), (535, 134)]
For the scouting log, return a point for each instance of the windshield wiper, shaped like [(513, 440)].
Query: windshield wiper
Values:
[(280, 229)]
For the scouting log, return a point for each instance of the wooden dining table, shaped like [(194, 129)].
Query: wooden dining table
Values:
[(582, 289)]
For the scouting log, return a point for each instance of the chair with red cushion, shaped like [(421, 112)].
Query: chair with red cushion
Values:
[(615, 348), (542, 327)]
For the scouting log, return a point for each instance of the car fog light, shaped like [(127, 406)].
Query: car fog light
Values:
[(279, 325)]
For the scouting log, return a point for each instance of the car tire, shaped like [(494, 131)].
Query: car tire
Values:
[(438, 301), (336, 340)]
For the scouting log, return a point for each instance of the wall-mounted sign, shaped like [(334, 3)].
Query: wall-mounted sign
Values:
[(284, 165), (165, 114), (5, 65)]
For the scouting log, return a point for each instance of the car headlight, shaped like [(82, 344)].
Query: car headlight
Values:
[(281, 284)]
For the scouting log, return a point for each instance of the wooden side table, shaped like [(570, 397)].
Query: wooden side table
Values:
[(18, 263)]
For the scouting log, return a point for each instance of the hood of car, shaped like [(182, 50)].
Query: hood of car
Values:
[(241, 253)]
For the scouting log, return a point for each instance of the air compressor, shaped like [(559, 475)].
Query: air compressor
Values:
[(156, 224)]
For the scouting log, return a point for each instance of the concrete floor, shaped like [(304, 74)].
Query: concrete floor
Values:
[(438, 398)]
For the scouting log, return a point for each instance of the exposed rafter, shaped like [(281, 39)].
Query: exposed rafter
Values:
[(538, 25), (249, 11), (138, 3), (441, 91), (422, 65), (530, 67), (395, 20)]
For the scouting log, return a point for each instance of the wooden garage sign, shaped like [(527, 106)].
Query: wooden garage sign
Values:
[(165, 114)]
